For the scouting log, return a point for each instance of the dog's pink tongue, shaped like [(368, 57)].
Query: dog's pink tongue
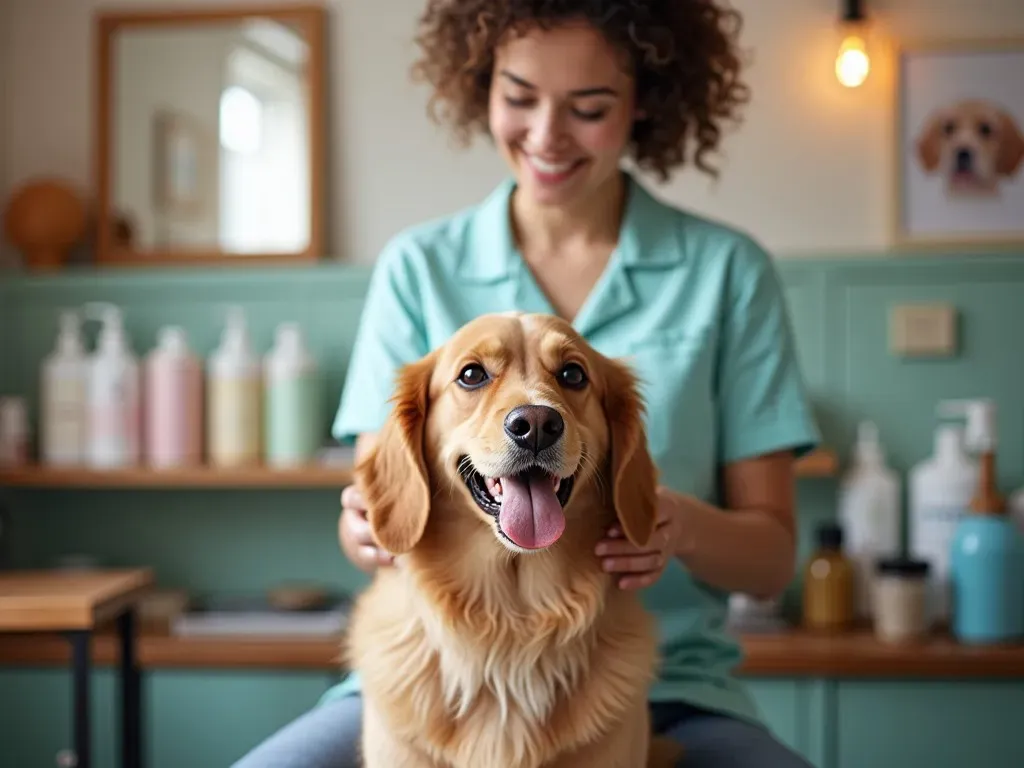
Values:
[(530, 513)]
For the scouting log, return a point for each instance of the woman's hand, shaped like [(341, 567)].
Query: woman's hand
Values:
[(354, 533), (640, 567)]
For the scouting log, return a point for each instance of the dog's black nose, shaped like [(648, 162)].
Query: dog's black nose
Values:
[(964, 160), (534, 427)]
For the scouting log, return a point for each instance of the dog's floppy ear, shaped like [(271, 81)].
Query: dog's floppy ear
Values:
[(634, 476), (929, 143), (393, 475), (1011, 145)]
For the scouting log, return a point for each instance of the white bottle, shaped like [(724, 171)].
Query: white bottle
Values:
[(870, 513), (63, 401), (292, 406), (234, 391), (940, 494), (114, 396)]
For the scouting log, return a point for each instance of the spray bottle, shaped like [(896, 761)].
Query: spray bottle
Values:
[(987, 557), (114, 398)]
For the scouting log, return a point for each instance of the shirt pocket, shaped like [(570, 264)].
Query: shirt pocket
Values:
[(676, 368)]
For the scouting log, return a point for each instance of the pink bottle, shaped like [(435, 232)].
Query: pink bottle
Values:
[(173, 427)]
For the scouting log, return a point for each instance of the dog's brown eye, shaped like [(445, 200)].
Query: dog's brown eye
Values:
[(472, 376), (949, 128), (985, 129), (573, 376)]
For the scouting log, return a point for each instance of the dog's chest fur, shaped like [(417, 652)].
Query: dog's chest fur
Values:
[(488, 681)]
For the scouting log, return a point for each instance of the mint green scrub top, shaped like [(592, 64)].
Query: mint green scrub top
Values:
[(698, 309)]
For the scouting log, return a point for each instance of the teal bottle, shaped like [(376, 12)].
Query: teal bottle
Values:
[(987, 569)]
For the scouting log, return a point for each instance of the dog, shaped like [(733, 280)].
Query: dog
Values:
[(496, 640), (973, 144)]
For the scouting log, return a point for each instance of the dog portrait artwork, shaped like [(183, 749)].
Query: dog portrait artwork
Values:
[(497, 639), (973, 145), (960, 143)]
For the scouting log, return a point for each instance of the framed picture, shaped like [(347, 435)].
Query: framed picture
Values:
[(176, 178), (960, 143)]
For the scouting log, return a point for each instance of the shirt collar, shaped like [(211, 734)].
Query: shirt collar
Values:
[(649, 236)]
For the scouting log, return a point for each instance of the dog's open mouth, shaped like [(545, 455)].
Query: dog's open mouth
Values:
[(527, 506)]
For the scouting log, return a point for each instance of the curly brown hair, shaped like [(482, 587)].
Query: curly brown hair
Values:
[(684, 57)]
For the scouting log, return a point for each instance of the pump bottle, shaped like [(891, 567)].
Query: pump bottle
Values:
[(987, 558), (940, 492), (293, 400), (869, 510), (64, 397), (114, 397), (173, 436), (234, 391)]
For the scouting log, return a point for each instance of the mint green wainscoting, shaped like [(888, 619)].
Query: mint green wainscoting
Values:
[(199, 719), (239, 540)]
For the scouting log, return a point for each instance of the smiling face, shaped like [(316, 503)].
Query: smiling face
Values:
[(515, 424), (561, 110), (517, 414)]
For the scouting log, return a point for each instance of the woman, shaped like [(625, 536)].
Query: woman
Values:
[(568, 89)]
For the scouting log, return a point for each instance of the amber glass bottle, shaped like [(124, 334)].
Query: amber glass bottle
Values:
[(828, 584)]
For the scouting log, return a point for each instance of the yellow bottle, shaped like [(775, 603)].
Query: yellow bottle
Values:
[(828, 589), (234, 399)]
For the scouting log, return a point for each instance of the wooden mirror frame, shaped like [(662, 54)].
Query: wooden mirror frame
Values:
[(106, 24)]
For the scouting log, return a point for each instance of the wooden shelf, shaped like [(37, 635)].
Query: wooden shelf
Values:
[(821, 463), (318, 476), (795, 653), (790, 653), (158, 650)]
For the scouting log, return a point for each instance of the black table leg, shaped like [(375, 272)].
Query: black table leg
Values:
[(131, 693), (81, 668)]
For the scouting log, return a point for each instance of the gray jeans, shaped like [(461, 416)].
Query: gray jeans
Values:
[(327, 737)]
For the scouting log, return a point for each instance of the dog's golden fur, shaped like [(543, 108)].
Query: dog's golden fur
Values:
[(473, 654)]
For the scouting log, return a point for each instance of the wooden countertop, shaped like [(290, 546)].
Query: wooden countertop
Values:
[(791, 653), (37, 601)]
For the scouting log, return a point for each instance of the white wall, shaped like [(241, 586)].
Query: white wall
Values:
[(809, 172)]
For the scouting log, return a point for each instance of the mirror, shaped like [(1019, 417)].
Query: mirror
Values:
[(210, 144)]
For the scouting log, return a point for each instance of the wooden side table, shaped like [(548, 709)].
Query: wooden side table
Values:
[(74, 604)]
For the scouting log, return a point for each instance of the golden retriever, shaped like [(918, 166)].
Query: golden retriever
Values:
[(497, 641), (973, 143)]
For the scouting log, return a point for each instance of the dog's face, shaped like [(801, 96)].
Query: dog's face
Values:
[(972, 144), (510, 418)]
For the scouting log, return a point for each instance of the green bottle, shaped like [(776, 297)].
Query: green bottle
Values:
[(292, 401)]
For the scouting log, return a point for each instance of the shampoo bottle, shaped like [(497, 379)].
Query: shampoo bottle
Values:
[(829, 584), (987, 559), (869, 511), (292, 400), (233, 397), (941, 488), (113, 407), (64, 397), (173, 434)]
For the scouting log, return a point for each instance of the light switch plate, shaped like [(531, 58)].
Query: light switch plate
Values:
[(923, 330)]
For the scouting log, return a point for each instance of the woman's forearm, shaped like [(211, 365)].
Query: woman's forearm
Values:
[(747, 551)]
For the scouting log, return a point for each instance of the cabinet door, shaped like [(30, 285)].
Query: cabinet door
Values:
[(191, 718), (794, 710), (36, 726), (935, 724), (199, 718)]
